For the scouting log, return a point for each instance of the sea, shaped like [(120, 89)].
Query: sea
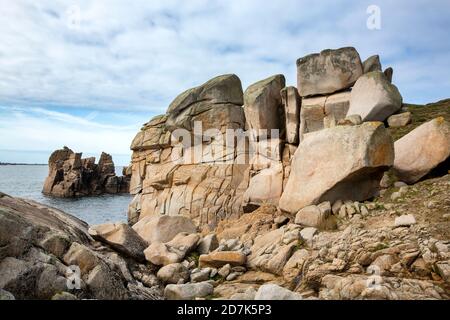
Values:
[(26, 181)]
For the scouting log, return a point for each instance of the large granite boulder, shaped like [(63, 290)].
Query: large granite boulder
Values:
[(153, 135), (328, 71), (265, 187), (422, 150), (322, 112), (374, 98), (121, 237), (263, 105), (71, 176), (173, 251), (222, 89), (163, 228), (340, 163), (217, 103)]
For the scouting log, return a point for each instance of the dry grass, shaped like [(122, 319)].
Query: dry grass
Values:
[(421, 114)]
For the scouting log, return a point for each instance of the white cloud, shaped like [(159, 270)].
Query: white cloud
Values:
[(36, 129), (138, 56)]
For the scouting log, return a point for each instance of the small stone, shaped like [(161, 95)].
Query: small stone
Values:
[(173, 273), (336, 207), (364, 211), (343, 212), (399, 184), (239, 269), (232, 244), (399, 120), (208, 243), (232, 276), (201, 275), (188, 291), (224, 271), (385, 181), (275, 292), (405, 221), (213, 272), (308, 233), (281, 220), (357, 207), (395, 196), (431, 204), (443, 268)]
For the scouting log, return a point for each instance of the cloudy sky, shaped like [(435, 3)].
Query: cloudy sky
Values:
[(87, 74)]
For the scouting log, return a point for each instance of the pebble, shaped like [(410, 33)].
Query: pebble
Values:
[(405, 221)]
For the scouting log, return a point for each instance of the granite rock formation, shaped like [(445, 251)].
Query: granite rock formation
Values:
[(71, 176), (185, 162)]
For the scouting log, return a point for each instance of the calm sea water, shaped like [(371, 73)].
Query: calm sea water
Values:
[(27, 182)]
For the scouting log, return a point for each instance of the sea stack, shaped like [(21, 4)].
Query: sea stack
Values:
[(71, 176)]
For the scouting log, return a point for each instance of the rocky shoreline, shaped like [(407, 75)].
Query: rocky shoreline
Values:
[(396, 247)]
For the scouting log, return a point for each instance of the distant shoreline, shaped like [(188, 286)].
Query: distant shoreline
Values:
[(22, 164)]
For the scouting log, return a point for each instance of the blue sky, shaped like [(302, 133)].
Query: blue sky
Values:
[(88, 74)]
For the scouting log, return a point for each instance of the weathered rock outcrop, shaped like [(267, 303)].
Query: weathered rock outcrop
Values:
[(42, 249), (210, 177), (422, 150), (359, 156), (71, 176), (203, 186), (328, 71)]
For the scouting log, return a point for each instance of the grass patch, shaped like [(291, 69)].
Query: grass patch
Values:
[(218, 277), (193, 256), (299, 245), (380, 246), (421, 114)]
